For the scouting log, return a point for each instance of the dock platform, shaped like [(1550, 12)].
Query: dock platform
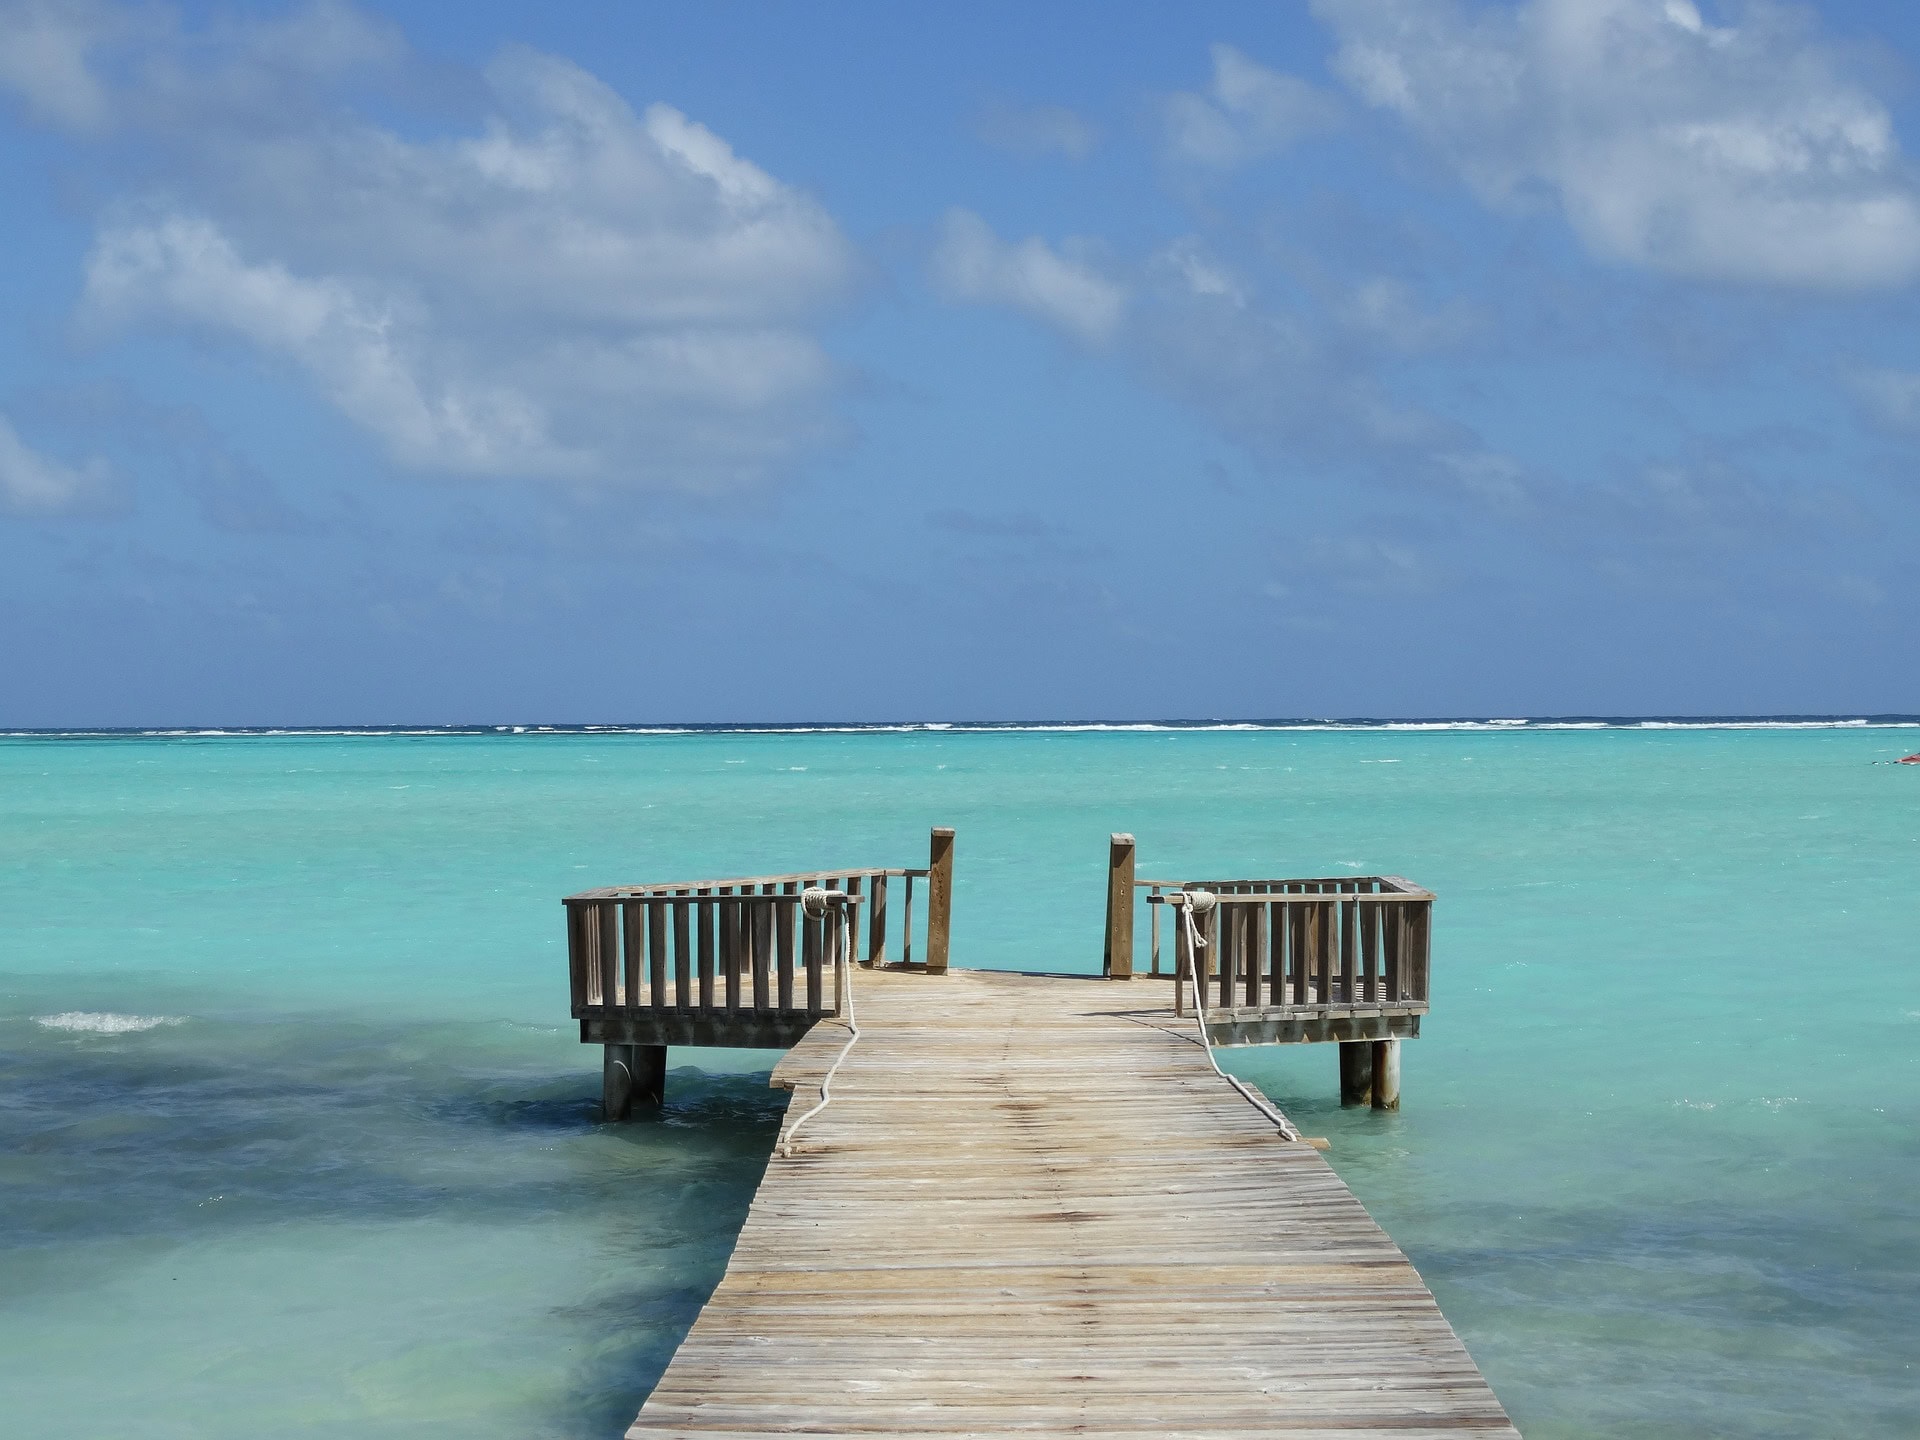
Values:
[(1032, 1207)]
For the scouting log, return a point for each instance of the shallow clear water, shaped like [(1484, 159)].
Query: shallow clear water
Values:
[(1659, 1156)]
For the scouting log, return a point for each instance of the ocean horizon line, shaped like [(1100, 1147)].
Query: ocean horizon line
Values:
[(1430, 724)]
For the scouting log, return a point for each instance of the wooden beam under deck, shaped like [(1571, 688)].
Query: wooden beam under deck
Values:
[(1033, 1208)]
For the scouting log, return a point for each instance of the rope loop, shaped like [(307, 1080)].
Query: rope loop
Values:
[(1199, 902), (815, 903)]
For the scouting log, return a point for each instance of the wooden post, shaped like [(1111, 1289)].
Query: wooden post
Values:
[(877, 922), (632, 1075), (1118, 960), (939, 898), (616, 1081), (1386, 1074), (1356, 1072)]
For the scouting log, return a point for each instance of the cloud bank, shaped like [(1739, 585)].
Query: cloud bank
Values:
[(572, 290), (1739, 152)]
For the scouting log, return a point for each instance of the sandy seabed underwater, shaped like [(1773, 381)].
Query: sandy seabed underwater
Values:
[(296, 1137)]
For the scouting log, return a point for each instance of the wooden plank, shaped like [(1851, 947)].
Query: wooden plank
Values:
[(810, 956), (877, 922), (607, 919), (682, 955), (1027, 1212), (577, 954), (633, 947), (657, 959), (783, 948), (705, 917), (760, 927)]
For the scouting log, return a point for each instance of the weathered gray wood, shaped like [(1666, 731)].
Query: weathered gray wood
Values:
[(748, 1030), (810, 954), (704, 919), (657, 959), (607, 916), (1288, 1027), (577, 953), (939, 897), (682, 955), (633, 949), (759, 922), (877, 923), (1117, 960), (783, 918), (906, 930), (974, 1239), (1386, 1074)]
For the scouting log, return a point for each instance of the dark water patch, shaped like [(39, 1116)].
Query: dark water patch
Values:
[(165, 1158)]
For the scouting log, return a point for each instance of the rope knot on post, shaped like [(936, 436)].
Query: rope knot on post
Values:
[(814, 901)]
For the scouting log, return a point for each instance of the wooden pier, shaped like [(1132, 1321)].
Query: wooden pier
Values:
[(1032, 1205)]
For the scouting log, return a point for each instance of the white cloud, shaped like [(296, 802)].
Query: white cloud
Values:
[(1740, 153), (35, 484), (570, 290), (1248, 112), (1036, 130), (971, 263), (44, 47), (1387, 312), (1188, 261)]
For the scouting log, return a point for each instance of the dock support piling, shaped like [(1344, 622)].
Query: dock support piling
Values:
[(939, 898), (632, 1075), (1356, 1072), (1118, 960), (1386, 1074)]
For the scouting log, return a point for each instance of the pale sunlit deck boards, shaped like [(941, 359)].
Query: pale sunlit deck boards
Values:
[(1025, 1211)]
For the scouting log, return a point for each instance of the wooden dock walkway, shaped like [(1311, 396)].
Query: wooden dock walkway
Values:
[(1033, 1207)]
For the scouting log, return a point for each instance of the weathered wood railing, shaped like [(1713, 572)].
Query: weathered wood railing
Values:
[(1336, 943), (732, 962), (719, 963)]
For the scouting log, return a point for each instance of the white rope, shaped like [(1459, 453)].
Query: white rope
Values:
[(1188, 902), (813, 902)]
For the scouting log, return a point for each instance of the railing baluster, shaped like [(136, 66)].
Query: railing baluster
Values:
[(576, 954), (682, 953), (1419, 944), (783, 943), (608, 915), (830, 957), (1215, 962), (633, 949), (810, 950), (1370, 951), (877, 921), (657, 953), (906, 934), (1256, 950), (730, 947), (1274, 917), (704, 919), (760, 921)]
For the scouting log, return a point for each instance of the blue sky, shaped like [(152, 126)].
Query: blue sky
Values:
[(754, 362)]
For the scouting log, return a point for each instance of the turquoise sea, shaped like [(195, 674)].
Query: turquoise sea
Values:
[(296, 1138)]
